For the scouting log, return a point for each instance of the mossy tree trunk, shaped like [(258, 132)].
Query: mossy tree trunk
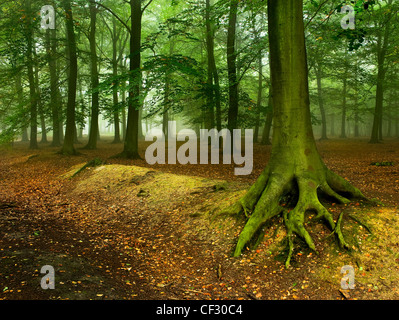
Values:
[(295, 169)]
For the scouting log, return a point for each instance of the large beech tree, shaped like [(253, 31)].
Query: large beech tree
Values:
[(295, 172)]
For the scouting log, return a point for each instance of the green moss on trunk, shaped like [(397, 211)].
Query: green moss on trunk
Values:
[(295, 174)]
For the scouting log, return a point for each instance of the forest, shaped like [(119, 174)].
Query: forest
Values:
[(110, 112)]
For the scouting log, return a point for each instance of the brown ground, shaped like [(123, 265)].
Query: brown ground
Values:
[(146, 232)]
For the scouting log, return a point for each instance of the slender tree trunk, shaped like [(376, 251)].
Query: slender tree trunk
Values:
[(124, 113), (167, 102), (382, 45), (40, 106), (51, 47), (20, 95), (356, 104), (356, 124), (68, 147), (321, 104), (259, 98), (268, 122), (131, 148), (211, 99), (332, 125), (25, 135), (212, 65), (231, 67), (217, 97), (343, 117), (115, 38), (31, 77), (165, 113), (94, 130)]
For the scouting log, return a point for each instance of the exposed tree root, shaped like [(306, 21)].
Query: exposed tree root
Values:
[(265, 198)]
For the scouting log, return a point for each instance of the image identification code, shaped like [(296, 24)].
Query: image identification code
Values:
[(211, 309)]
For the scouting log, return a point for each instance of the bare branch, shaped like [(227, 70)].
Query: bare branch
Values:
[(145, 7), (317, 11), (113, 13)]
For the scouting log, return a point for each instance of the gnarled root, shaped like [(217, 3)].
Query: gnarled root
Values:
[(263, 201)]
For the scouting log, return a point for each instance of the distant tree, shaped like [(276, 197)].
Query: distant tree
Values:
[(68, 145), (95, 105)]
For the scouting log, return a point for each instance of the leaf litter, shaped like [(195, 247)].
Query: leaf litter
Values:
[(106, 242)]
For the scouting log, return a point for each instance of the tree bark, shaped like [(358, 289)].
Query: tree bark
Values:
[(68, 146), (356, 103), (259, 98), (231, 67), (343, 116), (115, 40), (382, 45), (20, 95), (211, 99), (31, 77), (295, 170), (268, 122), (321, 104), (51, 47), (40, 107), (93, 134), (131, 148)]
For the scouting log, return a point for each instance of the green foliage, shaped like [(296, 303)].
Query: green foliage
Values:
[(174, 76)]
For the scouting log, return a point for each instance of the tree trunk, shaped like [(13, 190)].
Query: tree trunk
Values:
[(131, 147), (68, 147), (259, 99), (20, 95), (40, 106), (124, 113), (343, 117), (356, 124), (31, 77), (115, 38), (210, 107), (321, 104), (51, 46), (295, 170), (166, 102), (332, 125), (389, 127), (232, 68), (356, 104), (93, 134), (165, 113), (268, 121), (382, 45)]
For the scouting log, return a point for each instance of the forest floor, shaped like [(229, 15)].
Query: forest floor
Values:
[(127, 230)]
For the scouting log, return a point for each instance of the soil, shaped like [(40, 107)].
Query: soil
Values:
[(126, 230)]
